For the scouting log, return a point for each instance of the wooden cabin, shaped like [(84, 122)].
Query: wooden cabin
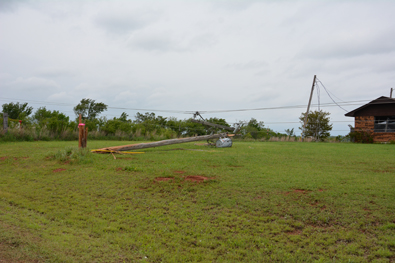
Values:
[(376, 118)]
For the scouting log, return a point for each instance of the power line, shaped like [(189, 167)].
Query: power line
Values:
[(329, 94), (345, 103)]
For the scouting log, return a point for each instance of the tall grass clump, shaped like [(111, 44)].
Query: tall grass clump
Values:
[(72, 155)]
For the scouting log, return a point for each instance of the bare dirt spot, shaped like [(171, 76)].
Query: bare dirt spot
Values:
[(321, 190), (118, 169), (59, 170), (301, 191), (297, 191), (179, 172), (3, 158), (196, 178), (163, 179)]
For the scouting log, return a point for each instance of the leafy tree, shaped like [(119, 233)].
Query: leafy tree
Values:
[(217, 121), (317, 125), (178, 126), (89, 109), (148, 122), (253, 127), (41, 114), (54, 121), (290, 132), (118, 124), (253, 123), (16, 110)]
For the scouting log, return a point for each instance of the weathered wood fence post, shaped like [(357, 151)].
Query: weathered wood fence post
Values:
[(5, 121)]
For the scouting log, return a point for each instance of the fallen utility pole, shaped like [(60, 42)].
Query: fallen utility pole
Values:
[(162, 143)]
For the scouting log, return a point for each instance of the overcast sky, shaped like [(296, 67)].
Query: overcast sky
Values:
[(198, 56)]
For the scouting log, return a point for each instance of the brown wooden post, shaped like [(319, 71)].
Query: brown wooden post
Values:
[(80, 132)]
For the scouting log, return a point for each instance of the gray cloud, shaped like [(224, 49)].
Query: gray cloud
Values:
[(124, 19), (197, 55), (8, 5), (252, 64), (161, 42)]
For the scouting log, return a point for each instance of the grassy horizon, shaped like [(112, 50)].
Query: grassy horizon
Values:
[(261, 202)]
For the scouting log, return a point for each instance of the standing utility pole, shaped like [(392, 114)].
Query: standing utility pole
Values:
[(308, 106), (391, 92)]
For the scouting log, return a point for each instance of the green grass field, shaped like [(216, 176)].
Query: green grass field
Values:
[(261, 202)]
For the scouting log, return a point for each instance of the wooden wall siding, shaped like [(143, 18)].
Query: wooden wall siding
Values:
[(366, 124)]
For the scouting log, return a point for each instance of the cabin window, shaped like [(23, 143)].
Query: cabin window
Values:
[(384, 124)]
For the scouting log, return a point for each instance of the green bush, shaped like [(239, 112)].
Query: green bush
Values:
[(361, 136)]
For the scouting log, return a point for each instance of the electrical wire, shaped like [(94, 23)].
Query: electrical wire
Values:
[(348, 103), (319, 81)]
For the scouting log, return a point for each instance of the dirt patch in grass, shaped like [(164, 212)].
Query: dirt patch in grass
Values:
[(298, 191), (384, 171), (118, 169), (301, 191), (3, 158), (17, 158), (179, 172), (163, 179), (58, 170), (196, 178)]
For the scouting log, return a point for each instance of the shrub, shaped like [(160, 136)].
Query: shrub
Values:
[(361, 136)]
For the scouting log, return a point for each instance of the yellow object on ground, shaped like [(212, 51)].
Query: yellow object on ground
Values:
[(109, 151)]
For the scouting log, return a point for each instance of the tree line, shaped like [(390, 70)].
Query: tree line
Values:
[(144, 125)]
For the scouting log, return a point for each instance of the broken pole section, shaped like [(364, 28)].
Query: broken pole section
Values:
[(82, 134), (163, 143)]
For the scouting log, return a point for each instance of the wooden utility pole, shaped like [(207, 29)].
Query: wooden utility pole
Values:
[(162, 143), (308, 106), (5, 121), (391, 92)]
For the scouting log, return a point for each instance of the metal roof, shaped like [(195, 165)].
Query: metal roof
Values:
[(381, 100)]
